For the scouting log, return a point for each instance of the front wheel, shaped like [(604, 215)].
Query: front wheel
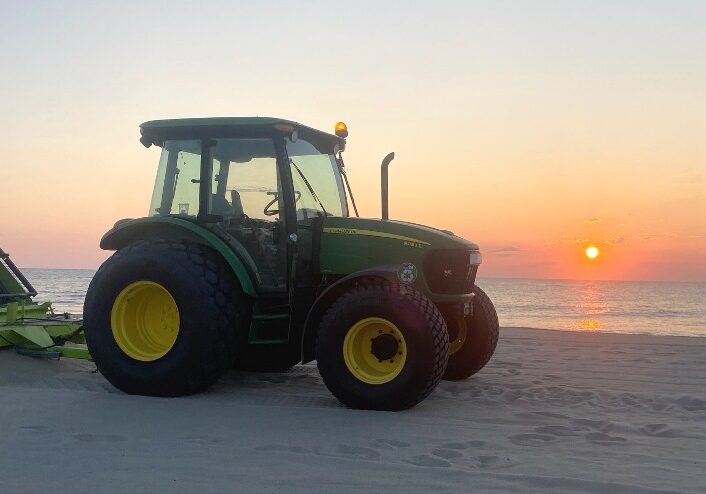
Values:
[(382, 346), (473, 338)]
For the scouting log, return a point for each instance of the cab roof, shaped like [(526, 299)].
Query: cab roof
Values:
[(157, 131)]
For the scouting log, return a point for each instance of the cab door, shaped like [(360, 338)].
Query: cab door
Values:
[(247, 196)]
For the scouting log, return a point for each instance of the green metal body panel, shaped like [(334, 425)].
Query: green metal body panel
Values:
[(156, 131), (26, 335), (10, 284), (354, 248), (215, 122), (129, 231), (72, 352), (13, 311), (231, 122), (349, 245), (11, 287)]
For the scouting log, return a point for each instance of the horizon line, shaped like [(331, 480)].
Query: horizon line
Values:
[(479, 277)]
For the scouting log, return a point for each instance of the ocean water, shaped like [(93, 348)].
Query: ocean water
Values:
[(610, 306)]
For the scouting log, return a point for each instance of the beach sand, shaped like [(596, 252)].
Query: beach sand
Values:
[(554, 411)]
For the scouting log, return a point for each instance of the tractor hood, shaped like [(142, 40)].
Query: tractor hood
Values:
[(349, 245), (399, 231)]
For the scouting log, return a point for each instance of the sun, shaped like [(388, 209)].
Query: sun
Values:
[(592, 252)]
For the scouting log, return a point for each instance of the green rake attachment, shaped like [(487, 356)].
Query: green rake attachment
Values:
[(31, 328)]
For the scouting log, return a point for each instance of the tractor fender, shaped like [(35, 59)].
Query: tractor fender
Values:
[(329, 296), (128, 231)]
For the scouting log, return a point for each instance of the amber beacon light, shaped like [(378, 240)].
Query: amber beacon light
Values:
[(341, 130)]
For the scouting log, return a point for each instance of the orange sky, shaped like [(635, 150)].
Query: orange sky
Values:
[(533, 135)]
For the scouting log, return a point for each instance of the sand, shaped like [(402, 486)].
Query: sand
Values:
[(553, 412)]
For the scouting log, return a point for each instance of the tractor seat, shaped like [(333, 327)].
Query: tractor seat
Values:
[(220, 205), (237, 204)]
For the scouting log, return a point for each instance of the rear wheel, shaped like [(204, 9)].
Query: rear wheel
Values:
[(161, 317), (382, 346), (473, 338)]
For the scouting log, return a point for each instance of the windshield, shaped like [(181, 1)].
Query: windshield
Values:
[(318, 188), (245, 180), (176, 189)]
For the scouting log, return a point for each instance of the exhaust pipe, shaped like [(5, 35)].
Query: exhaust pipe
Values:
[(383, 183)]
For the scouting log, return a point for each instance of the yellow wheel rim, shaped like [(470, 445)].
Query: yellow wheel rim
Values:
[(374, 350), (145, 321), (458, 338)]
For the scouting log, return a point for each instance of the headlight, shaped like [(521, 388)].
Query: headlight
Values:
[(475, 257)]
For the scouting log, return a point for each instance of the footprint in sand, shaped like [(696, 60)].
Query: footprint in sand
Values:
[(389, 444), (593, 424), (340, 450), (492, 461), (356, 452), (36, 428), (443, 455), (91, 438), (691, 404), (463, 445), (604, 439), (505, 364), (531, 439), (551, 415), (196, 438), (428, 461), (446, 454), (282, 448), (557, 430), (660, 430)]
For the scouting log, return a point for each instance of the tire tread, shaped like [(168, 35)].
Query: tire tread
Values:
[(219, 293), (368, 290)]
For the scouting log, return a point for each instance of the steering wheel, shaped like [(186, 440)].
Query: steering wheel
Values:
[(271, 212)]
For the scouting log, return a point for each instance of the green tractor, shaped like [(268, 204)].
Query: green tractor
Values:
[(249, 258)]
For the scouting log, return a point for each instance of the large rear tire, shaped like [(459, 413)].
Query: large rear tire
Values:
[(382, 346), (472, 346), (161, 318)]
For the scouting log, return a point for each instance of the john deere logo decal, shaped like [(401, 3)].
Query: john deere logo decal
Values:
[(407, 273)]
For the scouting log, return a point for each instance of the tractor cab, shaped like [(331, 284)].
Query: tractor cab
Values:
[(257, 181)]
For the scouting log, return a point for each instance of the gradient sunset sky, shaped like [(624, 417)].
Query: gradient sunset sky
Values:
[(532, 128)]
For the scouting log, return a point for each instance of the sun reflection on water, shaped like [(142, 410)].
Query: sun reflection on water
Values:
[(590, 305), (590, 324)]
